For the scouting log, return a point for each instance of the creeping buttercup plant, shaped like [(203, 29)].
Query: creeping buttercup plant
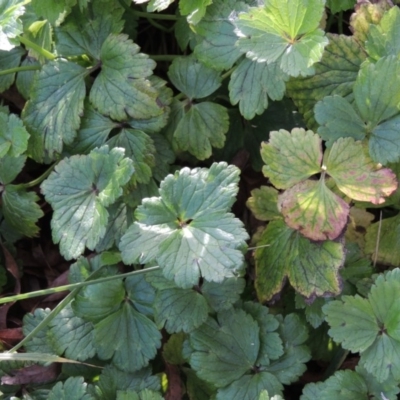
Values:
[(220, 178)]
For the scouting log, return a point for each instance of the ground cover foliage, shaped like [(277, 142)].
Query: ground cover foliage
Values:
[(204, 193)]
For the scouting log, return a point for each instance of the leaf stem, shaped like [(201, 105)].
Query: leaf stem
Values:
[(74, 286), (337, 360), (227, 74), (38, 180), (164, 57), (147, 15), (39, 49), (20, 69)]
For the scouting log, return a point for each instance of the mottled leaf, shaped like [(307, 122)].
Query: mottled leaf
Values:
[(292, 157)]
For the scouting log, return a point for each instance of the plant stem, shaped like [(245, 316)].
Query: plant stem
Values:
[(155, 16), (164, 57), (340, 23), (337, 360), (20, 69), (62, 304), (74, 286), (38, 180), (37, 48), (227, 74)]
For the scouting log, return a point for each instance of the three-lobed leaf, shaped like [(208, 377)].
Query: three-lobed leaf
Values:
[(80, 190), (187, 230), (286, 32)]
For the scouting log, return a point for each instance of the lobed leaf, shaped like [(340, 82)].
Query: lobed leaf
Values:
[(187, 230), (73, 388), (263, 203), (13, 136), (217, 48), (121, 90), (252, 83), (356, 175), (193, 78), (311, 268), (285, 32), (292, 157), (202, 127), (80, 190), (314, 210), (335, 74), (10, 23), (52, 115)]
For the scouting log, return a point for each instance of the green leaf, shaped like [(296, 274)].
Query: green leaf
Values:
[(314, 210), (383, 38), (292, 364), (386, 234), (80, 190), (284, 32), (370, 326), (54, 11), (95, 302), (250, 387), (221, 296), (224, 351), (335, 74), (337, 118), (137, 339), (165, 157), (312, 268), (179, 309), (202, 127), (25, 79), (252, 83), (292, 157), (9, 59), (187, 230), (356, 175), (71, 336), (217, 48), (193, 78), (263, 203), (10, 167), (271, 347), (113, 379), (85, 31), (186, 309), (10, 24), (194, 9), (39, 343), (20, 210), (375, 115), (340, 5), (93, 132), (346, 385), (116, 226), (13, 136), (52, 115), (121, 90), (73, 388), (139, 147)]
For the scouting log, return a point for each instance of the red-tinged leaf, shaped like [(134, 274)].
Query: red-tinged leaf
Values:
[(311, 208), (355, 173), (32, 374)]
